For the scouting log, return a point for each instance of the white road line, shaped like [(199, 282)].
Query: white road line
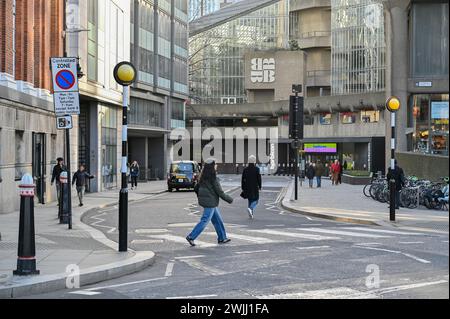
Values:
[(252, 239), (294, 235), (193, 297), (410, 286), (85, 293), (308, 218), (311, 224), (312, 247), (250, 252), (151, 231), (343, 233), (424, 261), (126, 284), (383, 231), (369, 244), (205, 268), (169, 269), (182, 240), (146, 241), (190, 257), (181, 225), (411, 242), (445, 241), (281, 225)]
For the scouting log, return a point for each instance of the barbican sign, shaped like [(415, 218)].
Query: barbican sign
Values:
[(262, 70)]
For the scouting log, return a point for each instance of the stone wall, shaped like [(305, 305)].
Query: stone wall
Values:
[(430, 167)]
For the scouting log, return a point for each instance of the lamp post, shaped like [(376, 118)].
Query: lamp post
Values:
[(125, 75), (393, 105)]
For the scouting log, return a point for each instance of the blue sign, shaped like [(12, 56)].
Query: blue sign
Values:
[(439, 110), (65, 79)]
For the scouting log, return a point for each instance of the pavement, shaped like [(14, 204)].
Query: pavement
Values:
[(63, 253), (347, 203), (279, 254)]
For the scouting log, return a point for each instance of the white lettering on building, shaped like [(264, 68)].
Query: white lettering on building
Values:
[(263, 70)]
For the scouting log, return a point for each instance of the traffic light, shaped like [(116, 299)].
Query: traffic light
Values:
[(296, 115)]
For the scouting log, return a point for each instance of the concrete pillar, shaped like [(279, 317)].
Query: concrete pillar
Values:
[(397, 70), (95, 147), (146, 160)]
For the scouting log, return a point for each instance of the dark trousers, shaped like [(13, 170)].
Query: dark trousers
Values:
[(134, 180)]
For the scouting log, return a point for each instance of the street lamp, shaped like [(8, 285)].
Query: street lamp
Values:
[(245, 120), (125, 75)]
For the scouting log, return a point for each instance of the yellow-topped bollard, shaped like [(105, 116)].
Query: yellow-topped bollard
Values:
[(125, 73)]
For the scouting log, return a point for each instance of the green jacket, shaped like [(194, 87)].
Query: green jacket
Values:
[(209, 194)]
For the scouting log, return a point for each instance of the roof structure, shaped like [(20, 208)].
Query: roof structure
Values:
[(227, 14)]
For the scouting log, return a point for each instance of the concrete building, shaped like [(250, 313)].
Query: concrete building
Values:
[(30, 33), (159, 50)]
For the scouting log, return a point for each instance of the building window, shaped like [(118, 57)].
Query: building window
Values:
[(109, 146), (370, 116), (325, 119), (348, 118), (429, 43), (430, 121), (92, 40), (308, 119), (145, 113)]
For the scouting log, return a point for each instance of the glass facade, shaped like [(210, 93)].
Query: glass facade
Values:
[(429, 54), (145, 113), (429, 117), (358, 53), (217, 55), (109, 145), (157, 64), (199, 8)]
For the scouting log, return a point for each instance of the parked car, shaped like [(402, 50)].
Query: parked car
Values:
[(183, 175)]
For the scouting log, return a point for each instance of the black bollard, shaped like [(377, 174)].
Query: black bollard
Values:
[(64, 199), (26, 252)]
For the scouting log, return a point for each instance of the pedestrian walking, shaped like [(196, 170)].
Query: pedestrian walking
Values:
[(335, 170), (341, 171), (134, 173), (310, 173), (209, 192), (251, 184), (320, 170), (57, 170), (80, 178), (399, 176)]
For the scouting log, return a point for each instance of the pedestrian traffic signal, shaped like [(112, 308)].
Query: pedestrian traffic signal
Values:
[(296, 114)]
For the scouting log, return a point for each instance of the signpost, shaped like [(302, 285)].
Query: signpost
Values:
[(393, 105), (125, 75), (67, 102), (296, 113)]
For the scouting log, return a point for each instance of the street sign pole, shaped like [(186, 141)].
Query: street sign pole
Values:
[(393, 105), (125, 75), (296, 110)]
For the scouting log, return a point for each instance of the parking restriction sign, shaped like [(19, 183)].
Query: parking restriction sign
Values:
[(65, 86)]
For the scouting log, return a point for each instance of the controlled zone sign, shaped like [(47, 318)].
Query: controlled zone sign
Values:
[(65, 86)]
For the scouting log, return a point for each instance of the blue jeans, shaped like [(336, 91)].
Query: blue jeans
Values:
[(213, 215), (252, 204), (319, 181)]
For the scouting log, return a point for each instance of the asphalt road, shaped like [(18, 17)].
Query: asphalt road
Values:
[(276, 255)]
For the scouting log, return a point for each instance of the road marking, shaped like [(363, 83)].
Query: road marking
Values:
[(281, 225), (312, 247), (205, 268), (146, 241), (424, 261), (112, 230), (383, 231), (426, 230), (308, 218), (311, 224), (85, 293), (250, 252), (348, 293), (182, 240), (445, 241), (151, 231), (126, 284), (189, 257), (193, 297), (343, 233), (252, 239), (101, 220), (411, 242), (169, 269), (369, 244), (181, 225), (294, 235)]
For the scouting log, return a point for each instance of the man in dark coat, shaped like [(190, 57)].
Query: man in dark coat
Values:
[(80, 178), (251, 184), (399, 176), (320, 170), (57, 170)]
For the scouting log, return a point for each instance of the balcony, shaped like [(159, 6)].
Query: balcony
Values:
[(313, 39), (296, 5), (320, 78)]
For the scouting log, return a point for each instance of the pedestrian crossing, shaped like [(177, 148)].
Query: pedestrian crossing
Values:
[(242, 236)]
